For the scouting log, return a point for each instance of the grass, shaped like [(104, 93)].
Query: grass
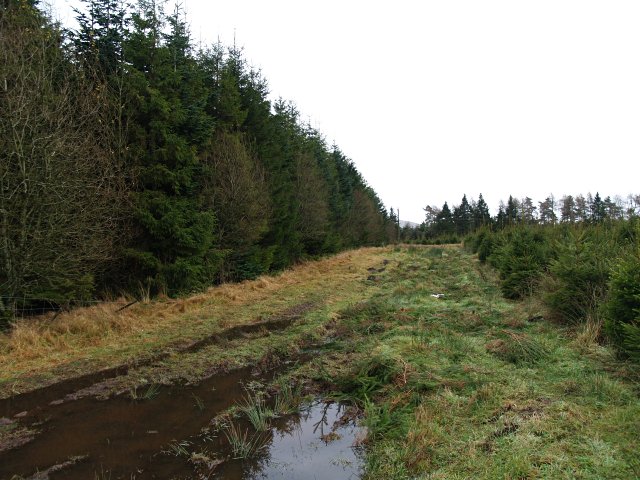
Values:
[(256, 411), (469, 385), (475, 386), (198, 402), (150, 393), (518, 348), (288, 397), (179, 449), (37, 352), (243, 444)]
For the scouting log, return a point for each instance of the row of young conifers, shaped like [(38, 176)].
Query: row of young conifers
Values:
[(133, 161), (587, 274)]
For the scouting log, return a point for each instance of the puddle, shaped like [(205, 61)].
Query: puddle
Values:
[(123, 438), (320, 442), (43, 396), (121, 435)]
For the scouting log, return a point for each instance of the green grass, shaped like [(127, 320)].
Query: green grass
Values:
[(243, 444), (458, 387), (256, 411), (466, 387), (288, 397), (150, 393)]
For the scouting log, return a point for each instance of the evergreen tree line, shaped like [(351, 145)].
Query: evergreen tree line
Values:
[(450, 225), (132, 160)]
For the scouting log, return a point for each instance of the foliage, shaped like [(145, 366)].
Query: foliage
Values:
[(622, 308), (518, 348), (584, 273), (578, 276), (243, 444), (521, 259), (451, 408), (129, 158), (468, 388), (253, 406), (63, 189)]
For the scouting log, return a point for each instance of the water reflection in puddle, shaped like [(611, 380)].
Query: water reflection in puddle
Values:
[(319, 442)]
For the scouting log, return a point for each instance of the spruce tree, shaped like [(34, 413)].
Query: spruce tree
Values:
[(445, 224), (481, 215), (598, 209), (176, 248), (512, 215), (100, 37), (463, 217)]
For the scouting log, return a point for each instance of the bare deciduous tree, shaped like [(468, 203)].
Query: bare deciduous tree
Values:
[(62, 184), (235, 189)]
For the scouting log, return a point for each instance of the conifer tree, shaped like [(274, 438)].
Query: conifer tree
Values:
[(597, 209), (581, 209), (527, 210), (463, 217), (444, 221), (568, 209), (501, 217), (213, 180), (512, 215), (431, 215), (547, 210), (176, 248), (481, 215), (100, 38)]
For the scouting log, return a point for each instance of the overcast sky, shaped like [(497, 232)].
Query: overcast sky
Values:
[(434, 99)]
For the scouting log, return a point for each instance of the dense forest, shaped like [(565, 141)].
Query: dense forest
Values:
[(132, 161)]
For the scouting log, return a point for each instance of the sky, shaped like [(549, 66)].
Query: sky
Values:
[(436, 99)]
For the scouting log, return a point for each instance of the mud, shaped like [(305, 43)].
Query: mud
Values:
[(165, 431), (170, 436), (321, 441), (66, 389), (121, 435)]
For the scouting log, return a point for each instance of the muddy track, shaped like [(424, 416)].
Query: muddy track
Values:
[(40, 398), (121, 435)]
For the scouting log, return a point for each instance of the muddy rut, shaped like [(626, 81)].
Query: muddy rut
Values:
[(66, 389), (73, 435)]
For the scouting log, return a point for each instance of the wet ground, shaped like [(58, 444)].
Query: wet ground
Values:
[(321, 442), (158, 431), (162, 437)]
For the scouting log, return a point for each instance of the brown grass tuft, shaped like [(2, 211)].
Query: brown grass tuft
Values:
[(589, 334), (106, 337)]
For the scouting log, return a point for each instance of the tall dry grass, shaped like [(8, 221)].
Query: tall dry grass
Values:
[(105, 335)]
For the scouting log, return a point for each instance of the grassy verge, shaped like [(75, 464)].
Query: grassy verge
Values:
[(40, 352), (470, 385)]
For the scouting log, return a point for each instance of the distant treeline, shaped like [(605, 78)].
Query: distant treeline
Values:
[(130, 160), (450, 224), (579, 255)]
